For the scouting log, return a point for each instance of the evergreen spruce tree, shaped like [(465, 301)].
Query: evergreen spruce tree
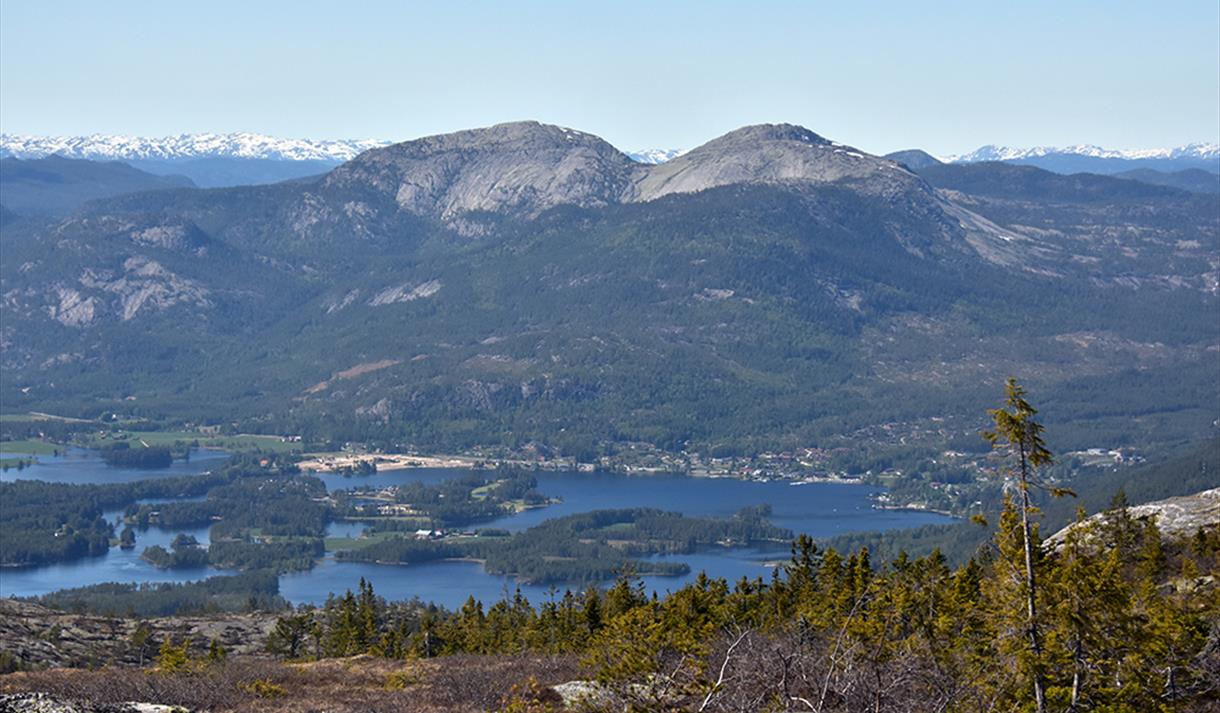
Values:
[(216, 652), (591, 611), (174, 658), (1017, 433)]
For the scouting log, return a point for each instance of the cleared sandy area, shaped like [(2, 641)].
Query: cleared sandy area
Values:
[(326, 463), (352, 373)]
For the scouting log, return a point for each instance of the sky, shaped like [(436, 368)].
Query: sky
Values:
[(885, 75)]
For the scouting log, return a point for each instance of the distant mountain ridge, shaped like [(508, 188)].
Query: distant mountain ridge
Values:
[(1087, 158), (56, 185), (991, 152), (1195, 180), (243, 145), (250, 145), (209, 160)]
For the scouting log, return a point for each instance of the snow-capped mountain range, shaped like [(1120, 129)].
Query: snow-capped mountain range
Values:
[(1201, 151), (260, 146), (185, 146), (106, 147), (212, 160)]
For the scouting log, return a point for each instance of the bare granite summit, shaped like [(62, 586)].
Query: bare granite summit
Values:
[(522, 167), (526, 167), (772, 153)]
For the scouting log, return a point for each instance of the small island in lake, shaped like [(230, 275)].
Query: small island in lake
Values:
[(122, 455)]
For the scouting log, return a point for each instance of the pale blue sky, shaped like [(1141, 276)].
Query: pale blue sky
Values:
[(945, 76)]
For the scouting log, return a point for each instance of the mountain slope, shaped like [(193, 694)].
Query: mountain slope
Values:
[(1194, 180), (526, 283), (57, 185), (1128, 232), (1007, 180)]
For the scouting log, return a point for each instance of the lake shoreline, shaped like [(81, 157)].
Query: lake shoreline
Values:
[(821, 509)]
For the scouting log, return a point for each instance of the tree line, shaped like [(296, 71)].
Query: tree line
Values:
[(1124, 618), (1110, 616)]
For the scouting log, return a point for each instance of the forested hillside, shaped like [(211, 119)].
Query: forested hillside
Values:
[(780, 291), (57, 186)]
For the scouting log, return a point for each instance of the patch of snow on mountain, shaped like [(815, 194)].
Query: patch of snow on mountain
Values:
[(655, 156)]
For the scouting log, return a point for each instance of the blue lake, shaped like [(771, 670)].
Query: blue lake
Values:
[(79, 466), (817, 509)]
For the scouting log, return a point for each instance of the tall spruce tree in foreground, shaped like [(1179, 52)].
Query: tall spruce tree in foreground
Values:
[(1020, 436)]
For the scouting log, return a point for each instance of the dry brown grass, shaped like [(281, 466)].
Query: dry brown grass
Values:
[(355, 685)]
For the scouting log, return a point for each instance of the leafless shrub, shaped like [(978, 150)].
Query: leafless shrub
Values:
[(481, 682), (355, 685)]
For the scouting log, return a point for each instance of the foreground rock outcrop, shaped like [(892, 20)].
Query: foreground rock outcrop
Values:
[(1176, 518), (34, 636)]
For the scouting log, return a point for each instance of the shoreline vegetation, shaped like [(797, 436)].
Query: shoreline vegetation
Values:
[(587, 547), (956, 499), (953, 478), (143, 449)]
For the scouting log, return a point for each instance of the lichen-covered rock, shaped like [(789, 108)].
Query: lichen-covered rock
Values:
[(578, 695)]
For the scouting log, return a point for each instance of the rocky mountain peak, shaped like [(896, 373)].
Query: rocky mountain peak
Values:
[(771, 153), (526, 167), (511, 134), (914, 159), (520, 167), (757, 133)]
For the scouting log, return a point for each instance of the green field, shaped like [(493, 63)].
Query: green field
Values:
[(29, 447), (481, 491), (36, 416), (354, 543), (237, 443)]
